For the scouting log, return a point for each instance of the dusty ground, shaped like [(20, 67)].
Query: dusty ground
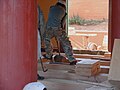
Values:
[(103, 26), (89, 9), (81, 42)]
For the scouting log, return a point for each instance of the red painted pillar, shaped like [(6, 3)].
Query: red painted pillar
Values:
[(114, 22), (18, 43)]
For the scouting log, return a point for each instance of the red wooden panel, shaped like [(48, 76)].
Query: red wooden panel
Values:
[(18, 43), (115, 22)]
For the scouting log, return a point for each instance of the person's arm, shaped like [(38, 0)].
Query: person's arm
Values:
[(41, 22), (63, 21), (38, 19)]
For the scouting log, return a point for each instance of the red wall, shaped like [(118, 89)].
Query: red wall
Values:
[(114, 23), (89, 9), (18, 43)]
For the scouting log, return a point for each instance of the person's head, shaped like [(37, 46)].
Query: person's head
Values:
[(61, 3)]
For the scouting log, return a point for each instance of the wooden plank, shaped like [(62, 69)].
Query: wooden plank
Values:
[(104, 69), (91, 52), (105, 63), (107, 55), (102, 58), (88, 56)]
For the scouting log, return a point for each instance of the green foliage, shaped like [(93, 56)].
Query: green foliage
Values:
[(80, 21)]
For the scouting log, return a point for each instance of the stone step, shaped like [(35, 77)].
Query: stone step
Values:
[(102, 62), (99, 88), (86, 56), (62, 74), (105, 63), (105, 69), (67, 67), (59, 84), (57, 66)]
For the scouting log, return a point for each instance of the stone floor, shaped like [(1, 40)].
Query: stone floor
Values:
[(63, 80), (61, 84)]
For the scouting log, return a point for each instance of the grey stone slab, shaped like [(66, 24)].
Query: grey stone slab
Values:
[(114, 73), (99, 88), (59, 84)]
